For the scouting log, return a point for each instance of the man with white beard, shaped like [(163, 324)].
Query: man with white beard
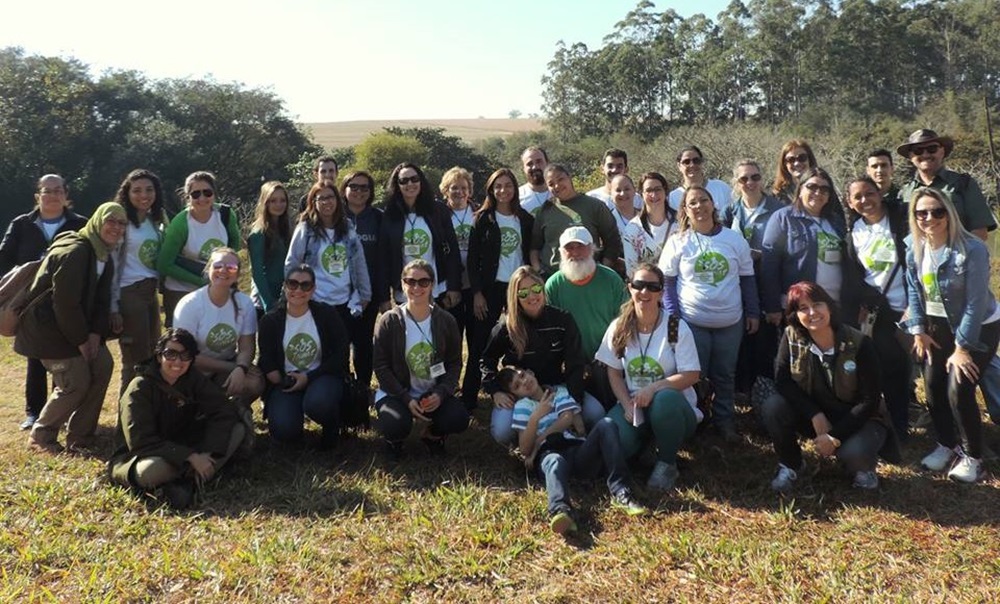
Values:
[(593, 294)]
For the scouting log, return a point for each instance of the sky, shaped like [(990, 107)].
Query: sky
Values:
[(335, 60)]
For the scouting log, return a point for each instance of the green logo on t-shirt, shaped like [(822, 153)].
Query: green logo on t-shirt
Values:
[(334, 259), (301, 351), (148, 251), (643, 366), (931, 287), (209, 246), (881, 256), (510, 240), (710, 268), (220, 338), (828, 247), (462, 234), (419, 238), (419, 360)]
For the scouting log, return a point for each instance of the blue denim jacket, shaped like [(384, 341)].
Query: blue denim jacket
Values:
[(964, 281), (789, 253)]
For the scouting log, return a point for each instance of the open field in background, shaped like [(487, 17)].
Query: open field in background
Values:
[(344, 134), (297, 525)]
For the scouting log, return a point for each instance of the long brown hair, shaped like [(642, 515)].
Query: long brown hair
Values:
[(683, 222), (627, 327), (517, 331), (311, 215), (273, 228), (783, 178)]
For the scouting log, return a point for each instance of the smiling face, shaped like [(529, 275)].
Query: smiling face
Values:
[(644, 299), (691, 166), (700, 209), (223, 269), (613, 166), (51, 197), (142, 194), (417, 285), (201, 194), (359, 191), (865, 200), (534, 296), (797, 161), (277, 203), (932, 218), (533, 163), (928, 158), (560, 185), (523, 384), (814, 316), (113, 230), (748, 180), (814, 194), (503, 189), (409, 185), (326, 170), (624, 192), (653, 193), (171, 369), (326, 204), (299, 288), (458, 193)]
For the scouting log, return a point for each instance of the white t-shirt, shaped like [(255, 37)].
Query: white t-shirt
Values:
[(876, 249), (333, 276), (303, 351), (928, 278), (142, 244), (609, 200), (418, 243), (420, 354), (532, 201), (510, 246), (722, 195), (461, 221), (49, 228), (708, 271), (201, 240), (640, 246), (216, 328), (650, 358), (829, 274)]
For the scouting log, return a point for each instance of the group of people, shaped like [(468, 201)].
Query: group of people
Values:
[(588, 319)]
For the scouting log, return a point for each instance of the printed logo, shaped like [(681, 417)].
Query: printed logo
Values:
[(419, 360), (510, 241), (931, 286), (712, 266), (462, 232), (148, 252), (220, 338), (828, 247), (881, 256), (209, 247), (301, 351), (643, 366), (419, 238), (334, 259)]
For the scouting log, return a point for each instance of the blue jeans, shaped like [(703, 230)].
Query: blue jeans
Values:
[(500, 419), (601, 450), (718, 352), (286, 411)]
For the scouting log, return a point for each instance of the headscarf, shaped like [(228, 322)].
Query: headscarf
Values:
[(92, 230)]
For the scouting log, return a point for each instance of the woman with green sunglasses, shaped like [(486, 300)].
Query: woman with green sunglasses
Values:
[(536, 336)]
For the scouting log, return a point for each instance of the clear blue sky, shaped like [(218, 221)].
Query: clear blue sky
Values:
[(335, 60)]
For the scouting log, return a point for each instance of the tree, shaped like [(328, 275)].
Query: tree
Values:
[(380, 153), (514, 114)]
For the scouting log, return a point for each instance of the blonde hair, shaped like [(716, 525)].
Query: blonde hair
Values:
[(956, 232), (516, 329), (454, 175)]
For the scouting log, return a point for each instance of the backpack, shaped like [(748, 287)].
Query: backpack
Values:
[(704, 391), (15, 287)]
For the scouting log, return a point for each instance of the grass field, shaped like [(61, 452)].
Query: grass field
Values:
[(344, 134), (297, 525)]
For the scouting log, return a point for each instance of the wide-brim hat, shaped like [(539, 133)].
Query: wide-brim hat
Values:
[(923, 136)]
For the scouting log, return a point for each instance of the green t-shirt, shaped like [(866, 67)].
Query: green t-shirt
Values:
[(593, 305)]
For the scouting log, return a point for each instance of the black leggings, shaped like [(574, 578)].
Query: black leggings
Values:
[(395, 420)]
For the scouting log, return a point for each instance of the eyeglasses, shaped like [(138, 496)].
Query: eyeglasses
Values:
[(815, 188), (324, 198), (229, 267), (652, 191), (421, 282), (692, 161), (653, 286), (358, 188), (208, 193), (293, 285), (801, 158), (170, 354), (745, 179), (935, 213), (409, 180), (524, 292), (115, 222), (930, 149)]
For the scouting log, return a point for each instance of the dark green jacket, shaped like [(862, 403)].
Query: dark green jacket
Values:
[(78, 304)]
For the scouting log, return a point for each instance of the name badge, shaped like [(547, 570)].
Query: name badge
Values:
[(336, 267), (641, 381), (703, 277), (831, 256), (936, 309), (884, 254), (412, 250), (437, 370)]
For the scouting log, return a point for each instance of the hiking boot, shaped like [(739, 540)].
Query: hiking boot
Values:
[(663, 477), (967, 469), (866, 479), (624, 501), (29, 421), (562, 523), (785, 479), (179, 494), (939, 459)]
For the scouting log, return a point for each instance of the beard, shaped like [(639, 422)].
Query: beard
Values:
[(577, 270), (536, 177)]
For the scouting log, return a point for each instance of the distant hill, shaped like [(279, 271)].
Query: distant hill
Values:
[(345, 134)]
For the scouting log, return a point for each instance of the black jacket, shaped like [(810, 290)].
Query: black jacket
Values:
[(24, 240), (333, 338), (447, 260), (484, 247)]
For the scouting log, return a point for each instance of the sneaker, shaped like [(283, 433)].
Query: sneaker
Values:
[(785, 479), (29, 421), (663, 477), (968, 470), (939, 459), (562, 523), (866, 479), (624, 501)]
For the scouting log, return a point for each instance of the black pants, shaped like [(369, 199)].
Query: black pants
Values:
[(361, 342), (395, 420), (757, 352), (36, 388), (897, 368), (496, 302)]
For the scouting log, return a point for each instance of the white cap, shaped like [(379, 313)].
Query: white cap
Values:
[(576, 234)]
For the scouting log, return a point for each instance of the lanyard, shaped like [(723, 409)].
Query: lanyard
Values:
[(649, 342), (423, 334), (411, 234), (465, 215)]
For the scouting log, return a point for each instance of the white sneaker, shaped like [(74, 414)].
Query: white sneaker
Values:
[(866, 479), (939, 459), (968, 469), (785, 479), (663, 477)]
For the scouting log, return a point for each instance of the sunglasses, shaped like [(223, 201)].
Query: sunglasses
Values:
[(935, 213), (421, 282), (745, 179), (208, 193), (409, 180), (229, 267), (801, 158), (360, 188), (928, 149), (293, 285), (524, 292), (815, 188), (653, 286), (692, 161), (170, 354)]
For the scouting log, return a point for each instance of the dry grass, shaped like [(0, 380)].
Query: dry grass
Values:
[(344, 134)]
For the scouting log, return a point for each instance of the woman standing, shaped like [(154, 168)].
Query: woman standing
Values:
[(65, 325), (691, 165), (955, 321), (418, 358), (499, 243), (135, 306), (652, 377), (190, 238), (456, 189), (647, 233), (26, 239), (795, 159), (267, 246), (303, 355), (710, 284)]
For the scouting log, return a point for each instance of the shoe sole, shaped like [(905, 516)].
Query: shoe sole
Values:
[(562, 524)]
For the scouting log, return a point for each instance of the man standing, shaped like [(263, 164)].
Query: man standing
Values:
[(593, 295), (691, 165), (566, 208), (533, 193), (325, 168), (615, 162), (879, 167)]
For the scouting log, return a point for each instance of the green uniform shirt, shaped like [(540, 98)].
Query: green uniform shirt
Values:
[(966, 196)]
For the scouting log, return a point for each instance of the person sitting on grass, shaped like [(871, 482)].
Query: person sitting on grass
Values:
[(176, 428), (549, 428)]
